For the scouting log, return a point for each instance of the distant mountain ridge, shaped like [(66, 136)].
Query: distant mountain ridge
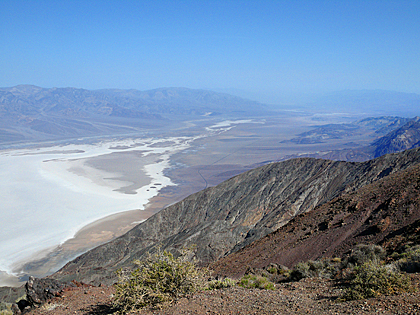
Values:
[(403, 138), (24, 99), (403, 134), (380, 125), (225, 218), (35, 113)]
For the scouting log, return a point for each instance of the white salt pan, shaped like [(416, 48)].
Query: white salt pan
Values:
[(48, 194), (44, 202)]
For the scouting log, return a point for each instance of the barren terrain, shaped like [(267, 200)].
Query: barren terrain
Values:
[(308, 296)]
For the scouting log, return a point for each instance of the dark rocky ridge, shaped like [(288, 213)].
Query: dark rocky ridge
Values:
[(386, 212), (229, 216)]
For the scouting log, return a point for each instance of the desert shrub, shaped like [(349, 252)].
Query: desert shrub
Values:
[(275, 269), (409, 261), (372, 279), (336, 260), (300, 271), (272, 270), (160, 278), (256, 282), (5, 308), (323, 268), (278, 273), (221, 284), (364, 253)]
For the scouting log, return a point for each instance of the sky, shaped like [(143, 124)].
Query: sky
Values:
[(254, 46)]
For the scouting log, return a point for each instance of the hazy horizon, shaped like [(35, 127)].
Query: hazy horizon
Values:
[(269, 49)]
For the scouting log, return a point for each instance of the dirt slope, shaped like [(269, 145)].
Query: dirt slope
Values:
[(308, 296), (386, 212)]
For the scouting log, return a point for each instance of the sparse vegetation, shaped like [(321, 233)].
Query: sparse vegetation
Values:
[(372, 279), (323, 268), (221, 284), (6, 308), (364, 271), (409, 260), (363, 253), (160, 278), (256, 282)]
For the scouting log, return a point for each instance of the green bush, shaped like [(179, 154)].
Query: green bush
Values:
[(272, 270), (364, 253), (256, 282), (371, 280), (5, 308), (409, 260), (276, 269), (160, 278), (323, 268), (221, 284)]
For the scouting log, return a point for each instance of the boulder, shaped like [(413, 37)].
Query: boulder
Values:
[(38, 291)]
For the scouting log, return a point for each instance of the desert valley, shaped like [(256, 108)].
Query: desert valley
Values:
[(209, 157), (112, 186)]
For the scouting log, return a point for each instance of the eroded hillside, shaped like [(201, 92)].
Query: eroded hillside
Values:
[(386, 212), (227, 217)]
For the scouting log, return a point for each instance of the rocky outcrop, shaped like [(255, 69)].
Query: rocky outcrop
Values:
[(225, 218), (39, 291)]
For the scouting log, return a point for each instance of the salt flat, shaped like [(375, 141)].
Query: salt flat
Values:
[(48, 194)]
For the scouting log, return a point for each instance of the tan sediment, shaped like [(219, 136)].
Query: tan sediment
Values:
[(104, 230), (117, 224)]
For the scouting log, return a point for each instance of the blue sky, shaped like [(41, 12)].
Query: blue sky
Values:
[(256, 46)]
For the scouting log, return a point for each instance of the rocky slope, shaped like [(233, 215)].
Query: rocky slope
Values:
[(227, 217), (386, 212), (404, 138)]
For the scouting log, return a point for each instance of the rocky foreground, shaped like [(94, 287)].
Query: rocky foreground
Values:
[(308, 296)]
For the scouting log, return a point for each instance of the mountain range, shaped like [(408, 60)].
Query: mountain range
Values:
[(372, 102), (31, 113)]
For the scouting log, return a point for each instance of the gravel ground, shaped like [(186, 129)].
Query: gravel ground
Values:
[(308, 296)]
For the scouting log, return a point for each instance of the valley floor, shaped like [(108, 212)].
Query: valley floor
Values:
[(308, 296)]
